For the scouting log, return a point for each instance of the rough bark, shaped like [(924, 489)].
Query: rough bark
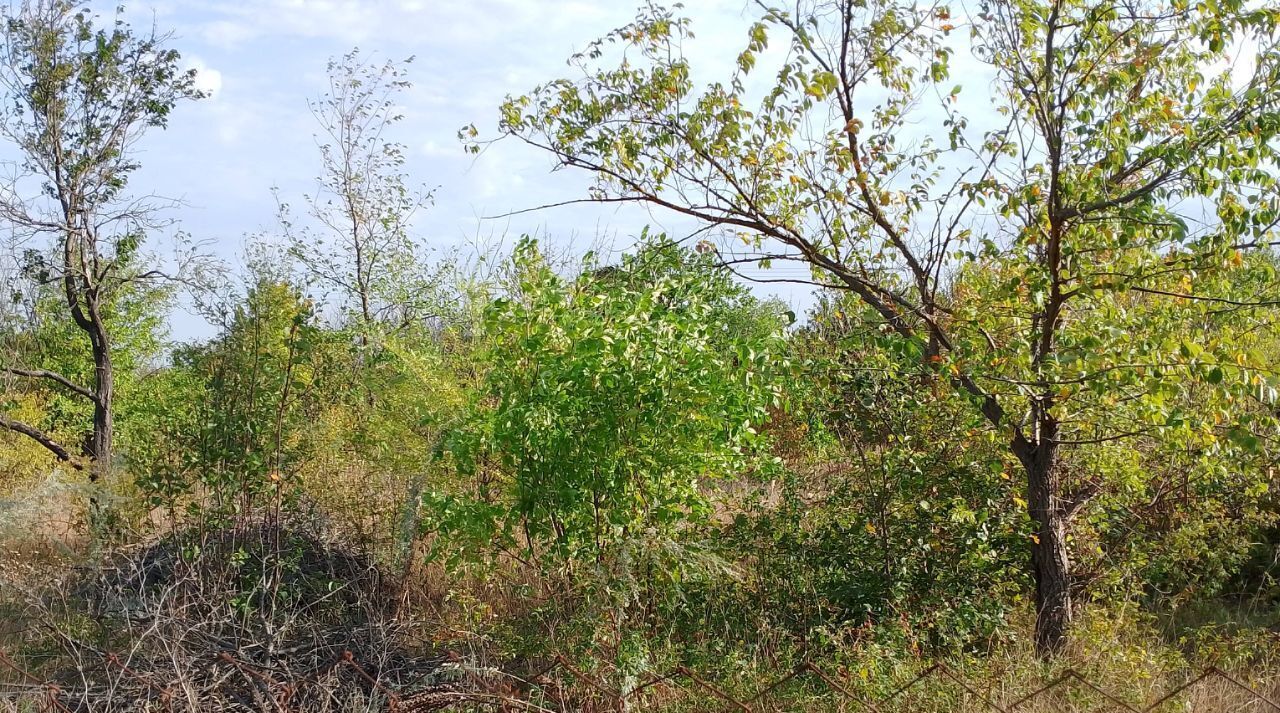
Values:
[(1050, 557), (99, 448)]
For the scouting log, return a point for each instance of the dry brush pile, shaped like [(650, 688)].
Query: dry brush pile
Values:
[(251, 616)]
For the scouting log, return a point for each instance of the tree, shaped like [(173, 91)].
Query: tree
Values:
[(361, 246), (1127, 160), (49, 340), (608, 399), (79, 97), (235, 415)]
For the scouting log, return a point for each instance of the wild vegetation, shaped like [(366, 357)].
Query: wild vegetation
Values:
[(1030, 425)]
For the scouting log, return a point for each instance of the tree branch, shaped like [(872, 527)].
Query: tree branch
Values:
[(52, 376), (43, 439)]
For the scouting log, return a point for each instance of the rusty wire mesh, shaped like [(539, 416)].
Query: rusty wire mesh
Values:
[(553, 690)]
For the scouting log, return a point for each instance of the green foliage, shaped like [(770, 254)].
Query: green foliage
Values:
[(1068, 268), (84, 93), (78, 98), (611, 399), (357, 243), (649, 134), (47, 338), (901, 513), (1166, 397), (236, 408), (1045, 327), (135, 314)]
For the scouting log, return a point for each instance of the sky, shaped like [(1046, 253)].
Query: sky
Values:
[(226, 158), (261, 60)]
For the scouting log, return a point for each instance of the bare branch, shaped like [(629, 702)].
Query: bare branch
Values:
[(42, 438), (52, 376)]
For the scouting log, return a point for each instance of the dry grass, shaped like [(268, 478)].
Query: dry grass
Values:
[(250, 617), (257, 615)]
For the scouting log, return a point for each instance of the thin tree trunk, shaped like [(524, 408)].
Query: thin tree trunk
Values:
[(1050, 557), (103, 421), (99, 447)]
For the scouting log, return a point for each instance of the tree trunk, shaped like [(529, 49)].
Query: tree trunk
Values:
[(98, 448), (1050, 558)]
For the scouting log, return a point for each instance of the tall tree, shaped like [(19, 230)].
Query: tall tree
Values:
[(1127, 157), (360, 244), (78, 99)]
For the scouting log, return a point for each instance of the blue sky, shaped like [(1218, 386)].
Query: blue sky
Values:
[(261, 61)]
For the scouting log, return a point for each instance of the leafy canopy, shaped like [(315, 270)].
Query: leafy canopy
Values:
[(611, 397)]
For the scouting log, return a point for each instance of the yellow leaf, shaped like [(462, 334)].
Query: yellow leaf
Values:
[(1035, 539), (871, 529), (1019, 502)]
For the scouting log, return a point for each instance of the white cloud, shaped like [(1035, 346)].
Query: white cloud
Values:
[(434, 149), (208, 79), (473, 24), (226, 33), (231, 25)]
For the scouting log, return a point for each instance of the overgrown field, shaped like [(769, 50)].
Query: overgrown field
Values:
[(1027, 433)]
